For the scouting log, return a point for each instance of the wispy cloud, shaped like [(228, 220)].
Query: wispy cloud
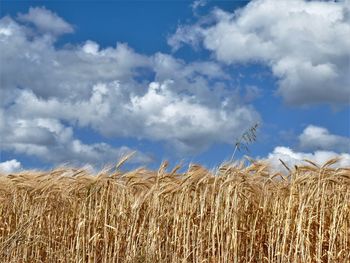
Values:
[(46, 21)]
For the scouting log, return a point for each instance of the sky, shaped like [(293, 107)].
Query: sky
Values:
[(84, 83)]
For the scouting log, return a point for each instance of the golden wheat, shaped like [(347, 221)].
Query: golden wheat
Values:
[(234, 214)]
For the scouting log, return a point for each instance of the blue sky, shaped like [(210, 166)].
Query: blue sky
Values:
[(85, 82)]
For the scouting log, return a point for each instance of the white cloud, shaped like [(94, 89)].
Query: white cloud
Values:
[(322, 144), (304, 42), (186, 122), (91, 47), (291, 158), (49, 140), (319, 138), (5, 32), (10, 166), (116, 92), (46, 21), (160, 114), (64, 72)]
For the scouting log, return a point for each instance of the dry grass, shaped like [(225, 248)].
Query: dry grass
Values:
[(238, 214)]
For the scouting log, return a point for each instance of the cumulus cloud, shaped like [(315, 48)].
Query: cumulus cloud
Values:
[(160, 114), (67, 72), (319, 138), (304, 42), (316, 144), (117, 92), (10, 166), (46, 21), (291, 158), (184, 121), (51, 141)]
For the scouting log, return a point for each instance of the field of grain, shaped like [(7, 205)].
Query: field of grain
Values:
[(236, 213)]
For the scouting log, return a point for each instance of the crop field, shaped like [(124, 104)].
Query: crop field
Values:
[(236, 213)]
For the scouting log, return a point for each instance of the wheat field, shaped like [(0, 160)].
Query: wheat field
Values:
[(236, 213)]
